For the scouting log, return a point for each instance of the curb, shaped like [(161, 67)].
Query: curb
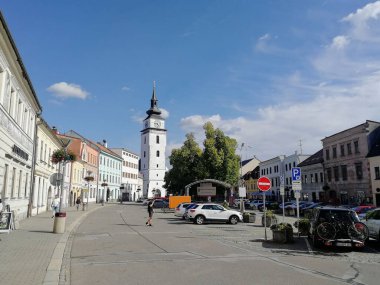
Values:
[(54, 268)]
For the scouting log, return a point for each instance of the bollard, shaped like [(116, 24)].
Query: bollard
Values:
[(59, 223)]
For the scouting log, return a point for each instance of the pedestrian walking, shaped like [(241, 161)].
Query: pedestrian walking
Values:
[(150, 213), (55, 206), (77, 202)]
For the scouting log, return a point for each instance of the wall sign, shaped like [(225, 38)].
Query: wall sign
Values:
[(20, 152)]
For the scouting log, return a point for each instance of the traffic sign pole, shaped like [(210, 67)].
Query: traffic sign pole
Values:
[(264, 184)]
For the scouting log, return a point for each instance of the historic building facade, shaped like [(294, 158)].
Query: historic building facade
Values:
[(347, 172), (19, 108), (130, 188), (153, 147), (43, 192)]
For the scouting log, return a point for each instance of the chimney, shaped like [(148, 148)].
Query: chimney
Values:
[(104, 143), (55, 131)]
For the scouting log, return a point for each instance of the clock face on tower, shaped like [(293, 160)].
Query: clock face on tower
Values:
[(157, 124)]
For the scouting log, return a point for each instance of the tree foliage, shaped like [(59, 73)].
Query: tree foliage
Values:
[(216, 161)]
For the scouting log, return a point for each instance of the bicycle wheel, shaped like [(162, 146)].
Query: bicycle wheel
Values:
[(358, 231), (326, 231)]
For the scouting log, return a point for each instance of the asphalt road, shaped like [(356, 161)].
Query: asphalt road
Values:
[(113, 246)]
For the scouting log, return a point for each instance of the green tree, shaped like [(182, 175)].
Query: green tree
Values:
[(186, 165), (217, 160)]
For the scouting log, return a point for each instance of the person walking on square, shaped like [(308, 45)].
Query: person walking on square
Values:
[(55, 206), (77, 202), (150, 213)]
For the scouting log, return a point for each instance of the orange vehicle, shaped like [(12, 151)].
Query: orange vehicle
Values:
[(175, 200)]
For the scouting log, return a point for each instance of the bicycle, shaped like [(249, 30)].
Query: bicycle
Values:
[(339, 229)]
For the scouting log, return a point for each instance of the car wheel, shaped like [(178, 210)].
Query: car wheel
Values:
[(199, 220), (234, 220)]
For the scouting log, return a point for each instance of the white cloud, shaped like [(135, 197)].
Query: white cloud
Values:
[(262, 43), (340, 42), (125, 88), (364, 22), (164, 113), (64, 90)]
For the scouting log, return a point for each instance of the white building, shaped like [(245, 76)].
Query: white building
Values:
[(43, 190), (130, 187), (313, 178), (19, 107), (277, 167), (153, 146)]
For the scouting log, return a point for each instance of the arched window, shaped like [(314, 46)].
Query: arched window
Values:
[(158, 153), (157, 139)]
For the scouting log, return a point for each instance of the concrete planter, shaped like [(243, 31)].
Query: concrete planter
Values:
[(249, 218)]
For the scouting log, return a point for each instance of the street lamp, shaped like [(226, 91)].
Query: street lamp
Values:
[(104, 185)]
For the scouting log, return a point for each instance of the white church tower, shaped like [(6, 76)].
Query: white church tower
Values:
[(153, 146)]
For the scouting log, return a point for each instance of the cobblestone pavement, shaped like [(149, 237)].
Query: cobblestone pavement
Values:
[(32, 253)]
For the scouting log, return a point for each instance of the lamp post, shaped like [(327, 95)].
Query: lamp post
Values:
[(104, 185), (241, 179)]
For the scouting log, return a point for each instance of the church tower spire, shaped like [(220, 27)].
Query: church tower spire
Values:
[(153, 103)]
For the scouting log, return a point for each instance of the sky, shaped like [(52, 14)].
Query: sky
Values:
[(278, 76)]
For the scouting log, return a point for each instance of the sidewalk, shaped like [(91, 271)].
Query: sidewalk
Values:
[(33, 253)]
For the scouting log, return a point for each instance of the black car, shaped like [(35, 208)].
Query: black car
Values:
[(339, 227), (160, 203)]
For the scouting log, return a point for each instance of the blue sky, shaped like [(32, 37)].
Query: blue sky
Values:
[(268, 73)]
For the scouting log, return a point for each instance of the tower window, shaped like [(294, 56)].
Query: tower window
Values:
[(157, 139), (144, 140), (144, 153), (158, 153)]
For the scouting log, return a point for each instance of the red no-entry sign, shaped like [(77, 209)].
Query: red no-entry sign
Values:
[(264, 183)]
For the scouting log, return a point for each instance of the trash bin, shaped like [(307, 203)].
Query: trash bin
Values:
[(59, 223)]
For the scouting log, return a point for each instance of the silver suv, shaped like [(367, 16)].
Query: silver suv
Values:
[(213, 213)]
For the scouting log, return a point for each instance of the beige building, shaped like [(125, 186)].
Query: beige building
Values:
[(19, 108), (43, 191), (346, 166), (374, 166)]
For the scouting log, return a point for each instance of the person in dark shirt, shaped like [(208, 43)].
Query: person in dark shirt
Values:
[(150, 213)]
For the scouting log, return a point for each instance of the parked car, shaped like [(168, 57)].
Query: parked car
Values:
[(311, 207), (332, 226), (146, 201), (253, 204), (191, 206), (160, 203), (286, 205), (237, 202), (373, 223), (363, 208), (210, 212), (179, 211)]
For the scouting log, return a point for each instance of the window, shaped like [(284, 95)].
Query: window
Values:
[(144, 140), (157, 139), (336, 173), (377, 173), (26, 184), (286, 167), (19, 184), (359, 170), (349, 151), (13, 182), (356, 146), (158, 153), (41, 150), (342, 150), (311, 178), (334, 151), (321, 177), (328, 171), (327, 154), (5, 184), (343, 168), (144, 153), (316, 177)]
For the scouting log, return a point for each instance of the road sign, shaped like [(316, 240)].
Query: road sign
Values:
[(297, 194), (296, 174), (264, 183), (282, 190), (55, 179)]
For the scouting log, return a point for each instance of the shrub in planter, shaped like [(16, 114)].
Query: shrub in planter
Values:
[(249, 217), (270, 218), (282, 232), (303, 226)]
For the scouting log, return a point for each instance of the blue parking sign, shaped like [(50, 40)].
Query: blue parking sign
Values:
[(296, 174)]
